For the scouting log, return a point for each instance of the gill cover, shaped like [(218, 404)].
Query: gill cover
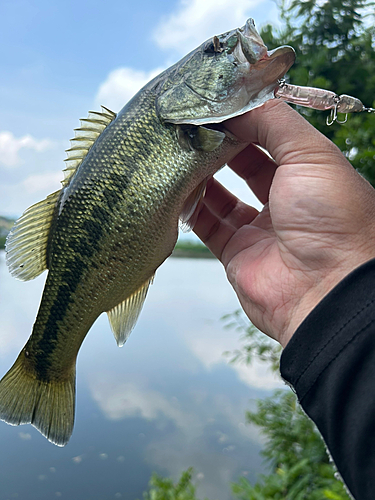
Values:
[(226, 76)]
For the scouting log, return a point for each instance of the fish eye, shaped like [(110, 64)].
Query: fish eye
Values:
[(232, 42), (213, 45)]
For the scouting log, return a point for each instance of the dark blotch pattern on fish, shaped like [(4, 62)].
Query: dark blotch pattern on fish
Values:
[(83, 246), (70, 280)]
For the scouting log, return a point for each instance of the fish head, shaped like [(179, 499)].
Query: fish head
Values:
[(226, 76)]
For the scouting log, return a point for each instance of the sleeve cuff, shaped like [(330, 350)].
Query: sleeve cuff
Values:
[(335, 322)]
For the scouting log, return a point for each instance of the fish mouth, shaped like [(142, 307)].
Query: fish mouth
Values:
[(261, 71), (254, 72), (250, 45), (251, 49), (260, 79), (277, 62)]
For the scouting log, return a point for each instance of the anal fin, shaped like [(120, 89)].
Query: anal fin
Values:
[(123, 317)]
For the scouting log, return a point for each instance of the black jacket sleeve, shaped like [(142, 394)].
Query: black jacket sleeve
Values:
[(330, 362)]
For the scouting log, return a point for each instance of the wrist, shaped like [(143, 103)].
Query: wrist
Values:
[(314, 295)]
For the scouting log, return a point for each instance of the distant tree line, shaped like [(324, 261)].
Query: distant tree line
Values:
[(5, 226)]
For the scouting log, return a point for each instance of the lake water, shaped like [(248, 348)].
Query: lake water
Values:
[(165, 401)]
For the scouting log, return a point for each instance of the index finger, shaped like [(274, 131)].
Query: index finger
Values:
[(256, 168), (288, 137)]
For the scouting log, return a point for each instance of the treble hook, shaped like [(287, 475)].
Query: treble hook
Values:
[(341, 122), (333, 117)]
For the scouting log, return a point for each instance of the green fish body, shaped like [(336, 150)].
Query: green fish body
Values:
[(129, 179)]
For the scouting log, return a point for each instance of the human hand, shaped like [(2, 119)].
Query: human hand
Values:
[(317, 224)]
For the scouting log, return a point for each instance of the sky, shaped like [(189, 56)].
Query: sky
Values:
[(60, 59)]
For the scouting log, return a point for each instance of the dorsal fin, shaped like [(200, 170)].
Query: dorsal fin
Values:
[(26, 244), (85, 136)]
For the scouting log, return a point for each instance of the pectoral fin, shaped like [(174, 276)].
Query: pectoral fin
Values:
[(190, 210), (123, 317), (191, 137)]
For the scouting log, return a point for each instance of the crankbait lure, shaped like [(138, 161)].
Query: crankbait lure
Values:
[(321, 99)]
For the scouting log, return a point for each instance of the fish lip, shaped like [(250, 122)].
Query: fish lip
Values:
[(250, 46), (283, 50), (279, 61)]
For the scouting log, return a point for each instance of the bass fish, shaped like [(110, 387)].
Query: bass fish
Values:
[(129, 179)]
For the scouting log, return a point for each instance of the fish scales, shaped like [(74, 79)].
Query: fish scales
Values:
[(100, 252), (129, 179)]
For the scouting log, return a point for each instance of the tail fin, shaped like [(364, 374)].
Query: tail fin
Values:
[(48, 406)]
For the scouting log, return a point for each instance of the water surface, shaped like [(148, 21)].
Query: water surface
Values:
[(166, 401)]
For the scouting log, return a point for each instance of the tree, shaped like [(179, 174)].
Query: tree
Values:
[(165, 489), (299, 464), (336, 51)]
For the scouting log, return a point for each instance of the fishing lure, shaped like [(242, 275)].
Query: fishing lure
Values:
[(321, 99)]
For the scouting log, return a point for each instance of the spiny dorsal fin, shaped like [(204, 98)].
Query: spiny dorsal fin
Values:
[(85, 136), (26, 244), (123, 317)]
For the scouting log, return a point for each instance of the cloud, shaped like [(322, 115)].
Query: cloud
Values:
[(49, 181), (25, 436), (198, 20), (10, 147), (121, 85)]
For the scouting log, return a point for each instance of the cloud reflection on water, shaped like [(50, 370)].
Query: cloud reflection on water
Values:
[(200, 418), (167, 400), (120, 400)]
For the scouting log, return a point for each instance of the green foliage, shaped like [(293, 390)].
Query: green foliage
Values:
[(289, 484), (165, 489), (191, 249), (290, 435), (336, 52), (295, 452), (5, 226), (256, 344)]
